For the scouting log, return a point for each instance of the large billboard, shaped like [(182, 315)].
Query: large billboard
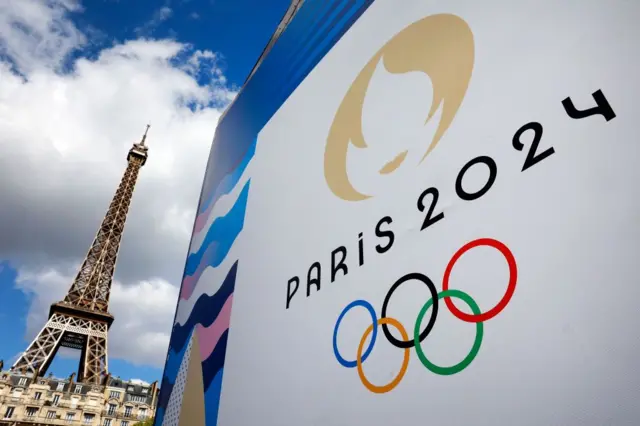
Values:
[(421, 211)]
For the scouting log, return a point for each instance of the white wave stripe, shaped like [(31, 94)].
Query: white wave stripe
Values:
[(221, 208), (209, 283)]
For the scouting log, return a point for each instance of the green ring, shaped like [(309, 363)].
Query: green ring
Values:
[(445, 371)]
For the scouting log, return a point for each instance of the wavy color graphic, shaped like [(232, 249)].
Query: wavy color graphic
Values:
[(300, 47), (209, 336), (208, 284), (225, 186), (174, 360), (204, 312), (221, 208), (215, 362), (216, 245), (167, 389)]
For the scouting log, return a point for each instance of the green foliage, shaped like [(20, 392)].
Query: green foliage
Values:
[(148, 422)]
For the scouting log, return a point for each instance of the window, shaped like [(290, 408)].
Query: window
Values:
[(37, 396), (136, 398), (60, 387), (107, 422), (22, 381), (114, 394), (31, 411), (145, 391), (112, 409), (56, 399), (143, 413), (69, 417), (88, 419), (9, 412), (51, 415), (130, 389), (78, 389), (127, 411), (124, 423)]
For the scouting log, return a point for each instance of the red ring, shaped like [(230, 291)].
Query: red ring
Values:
[(513, 277)]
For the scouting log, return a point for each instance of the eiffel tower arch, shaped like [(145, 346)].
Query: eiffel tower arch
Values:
[(82, 319)]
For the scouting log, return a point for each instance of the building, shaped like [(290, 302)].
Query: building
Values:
[(54, 401), (81, 321)]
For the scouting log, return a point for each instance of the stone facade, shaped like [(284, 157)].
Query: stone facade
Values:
[(52, 401)]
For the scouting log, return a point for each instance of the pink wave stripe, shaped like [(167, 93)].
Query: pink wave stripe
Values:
[(201, 219), (208, 337), (189, 282)]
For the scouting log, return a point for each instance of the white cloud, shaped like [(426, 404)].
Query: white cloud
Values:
[(64, 139), (34, 33), (159, 16)]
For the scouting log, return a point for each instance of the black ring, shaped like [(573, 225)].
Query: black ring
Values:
[(434, 311)]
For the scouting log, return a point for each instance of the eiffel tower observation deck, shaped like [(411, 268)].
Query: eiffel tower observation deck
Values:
[(82, 319)]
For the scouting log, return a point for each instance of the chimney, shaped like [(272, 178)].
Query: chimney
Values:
[(71, 377), (154, 387), (107, 378)]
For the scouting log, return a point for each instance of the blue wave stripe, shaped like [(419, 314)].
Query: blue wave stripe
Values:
[(223, 232), (166, 389), (329, 22), (229, 181), (204, 312), (212, 399), (210, 370), (322, 10), (159, 416), (173, 362), (215, 362), (330, 36)]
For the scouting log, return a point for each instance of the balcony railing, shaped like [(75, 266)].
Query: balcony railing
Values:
[(10, 398), (44, 420), (94, 408), (122, 414)]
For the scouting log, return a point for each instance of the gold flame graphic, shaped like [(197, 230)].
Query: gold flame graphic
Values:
[(440, 46)]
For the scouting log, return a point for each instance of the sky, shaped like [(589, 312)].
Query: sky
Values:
[(78, 83)]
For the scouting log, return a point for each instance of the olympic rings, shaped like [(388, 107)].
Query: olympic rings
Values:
[(405, 362), (365, 304), (477, 317), (511, 287), (434, 312), (446, 371)]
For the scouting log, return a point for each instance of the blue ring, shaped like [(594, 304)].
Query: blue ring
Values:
[(364, 304)]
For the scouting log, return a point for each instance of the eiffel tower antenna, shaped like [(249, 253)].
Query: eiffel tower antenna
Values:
[(82, 319), (144, 137)]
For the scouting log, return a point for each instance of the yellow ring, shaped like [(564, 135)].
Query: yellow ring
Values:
[(405, 363)]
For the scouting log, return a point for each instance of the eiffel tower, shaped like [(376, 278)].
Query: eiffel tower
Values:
[(82, 319)]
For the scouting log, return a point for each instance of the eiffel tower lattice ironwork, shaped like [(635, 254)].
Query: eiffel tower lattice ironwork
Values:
[(82, 319)]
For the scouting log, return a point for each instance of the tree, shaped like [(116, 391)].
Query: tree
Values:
[(148, 422)]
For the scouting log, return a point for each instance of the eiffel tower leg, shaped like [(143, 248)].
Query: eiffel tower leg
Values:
[(94, 360), (39, 354)]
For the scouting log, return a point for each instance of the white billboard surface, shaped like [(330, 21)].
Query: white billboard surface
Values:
[(441, 226)]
